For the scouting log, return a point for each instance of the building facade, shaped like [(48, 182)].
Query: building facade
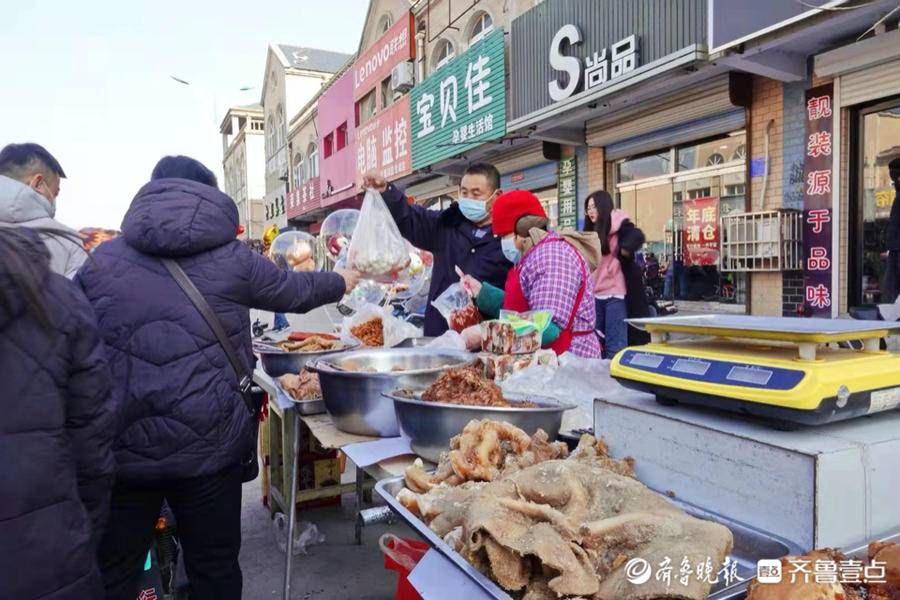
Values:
[(293, 76), (243, 165)]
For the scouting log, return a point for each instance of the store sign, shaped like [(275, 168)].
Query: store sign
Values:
[(576, 50), (596, 70), (566, 187), (817, 201), (375, 64), (462, 105), (701, 232), (382, 144), (304, 199)]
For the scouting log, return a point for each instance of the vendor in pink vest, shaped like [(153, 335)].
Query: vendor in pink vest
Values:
[(552, 273)]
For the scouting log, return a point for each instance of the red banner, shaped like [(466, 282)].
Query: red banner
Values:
[(382, 144), (306, 198), (700, 235), (397, 45), (817, 194)]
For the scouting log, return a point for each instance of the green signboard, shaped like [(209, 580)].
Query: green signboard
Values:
[(462, 104), (566, 187)]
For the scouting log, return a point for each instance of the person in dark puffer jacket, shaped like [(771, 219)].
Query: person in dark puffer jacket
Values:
[(56, 431), (183, 428)]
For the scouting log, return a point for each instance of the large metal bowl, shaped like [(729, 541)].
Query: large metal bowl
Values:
[(353, 392), (276, 362), (430, 425)]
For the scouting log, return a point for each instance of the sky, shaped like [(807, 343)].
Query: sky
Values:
[(90, 81)]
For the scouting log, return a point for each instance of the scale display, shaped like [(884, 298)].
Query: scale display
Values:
[(713, 371)]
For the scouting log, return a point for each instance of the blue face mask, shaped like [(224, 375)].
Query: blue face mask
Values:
[(512, 254), (473, 210)]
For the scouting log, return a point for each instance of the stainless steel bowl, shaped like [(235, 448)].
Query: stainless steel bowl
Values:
[(353, 383), (430, 425), (279, 362)]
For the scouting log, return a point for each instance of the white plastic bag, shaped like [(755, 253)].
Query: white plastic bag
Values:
[(577, 380), (377, 250), (395, 330), (306, 534), (451, 340)]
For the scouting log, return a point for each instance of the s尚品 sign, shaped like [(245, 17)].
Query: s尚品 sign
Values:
[(600, 67)]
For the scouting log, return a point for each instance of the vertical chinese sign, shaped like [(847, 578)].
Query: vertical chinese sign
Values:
[(462, 105), (817, 201), (382, 140), (565, 186), (701, 232)]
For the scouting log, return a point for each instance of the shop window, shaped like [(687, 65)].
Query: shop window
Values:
[(366, 108), (879, 143), (328, 142), (387, 94), (299, 169), (444, 53), (643, 167), (384, 24), (712, 152), (341, 140), (313, 158), (482, 25)]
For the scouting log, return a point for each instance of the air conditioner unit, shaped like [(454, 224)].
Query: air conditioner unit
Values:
[(403, 77)]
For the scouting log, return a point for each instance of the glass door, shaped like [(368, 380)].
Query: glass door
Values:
[(879, 143)]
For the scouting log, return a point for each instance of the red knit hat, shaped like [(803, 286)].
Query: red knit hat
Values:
[(512, 206)]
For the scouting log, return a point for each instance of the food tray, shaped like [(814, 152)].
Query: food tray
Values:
[(738, 591), (430, 425), (750, 545), (304, 407)]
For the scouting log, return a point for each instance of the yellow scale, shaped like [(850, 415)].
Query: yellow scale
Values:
[(787, 370)]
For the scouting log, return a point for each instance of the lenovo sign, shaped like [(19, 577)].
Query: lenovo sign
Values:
[(375, 63)]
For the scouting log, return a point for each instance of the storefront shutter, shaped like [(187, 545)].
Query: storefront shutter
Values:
[(706, 99), (880, 81), (680, 134), (519, 159)]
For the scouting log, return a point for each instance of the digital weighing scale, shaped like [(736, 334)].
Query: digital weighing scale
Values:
[(786, 370)]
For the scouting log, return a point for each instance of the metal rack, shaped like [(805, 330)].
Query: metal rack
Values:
[(762, 241)]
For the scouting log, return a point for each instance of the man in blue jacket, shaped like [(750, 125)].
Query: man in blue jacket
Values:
[(183, 430), (459, 236)]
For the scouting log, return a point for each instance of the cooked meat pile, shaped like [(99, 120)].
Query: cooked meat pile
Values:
[(370, 333), (553, 527), (889, 554), (313, 343), (807, 588), (468, 386), (304, 386)]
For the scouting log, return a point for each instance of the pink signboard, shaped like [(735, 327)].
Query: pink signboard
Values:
[(305, 199), (338, 177), (375, 63), (382, 144), (701, 232)]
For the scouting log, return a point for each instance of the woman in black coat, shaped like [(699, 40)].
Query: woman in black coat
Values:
[(56, 431)]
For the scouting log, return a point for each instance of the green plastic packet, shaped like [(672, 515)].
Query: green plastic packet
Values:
[(524, 323)]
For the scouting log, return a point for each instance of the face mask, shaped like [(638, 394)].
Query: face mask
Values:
[(512, 254), (473, 210)]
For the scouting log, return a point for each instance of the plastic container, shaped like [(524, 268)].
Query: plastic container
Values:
[(402, 555)]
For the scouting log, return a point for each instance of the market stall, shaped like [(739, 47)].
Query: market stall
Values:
[(513, 505)]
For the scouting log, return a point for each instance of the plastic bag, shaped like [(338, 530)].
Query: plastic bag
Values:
[(395, 330), (456, 306), (306, 534), (514, 333), (451, 340), (377, 250), (576, 380)]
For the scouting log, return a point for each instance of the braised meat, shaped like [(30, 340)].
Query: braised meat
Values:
[(889, 555), (304, 386), (468, 386), (370, 333), (313, 343), (799, 586), (554, 527)]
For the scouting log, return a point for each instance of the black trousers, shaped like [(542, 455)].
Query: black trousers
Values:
[(208, 515)]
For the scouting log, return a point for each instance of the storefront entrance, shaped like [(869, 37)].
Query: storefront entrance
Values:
[(877, 130), (676, 196)]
